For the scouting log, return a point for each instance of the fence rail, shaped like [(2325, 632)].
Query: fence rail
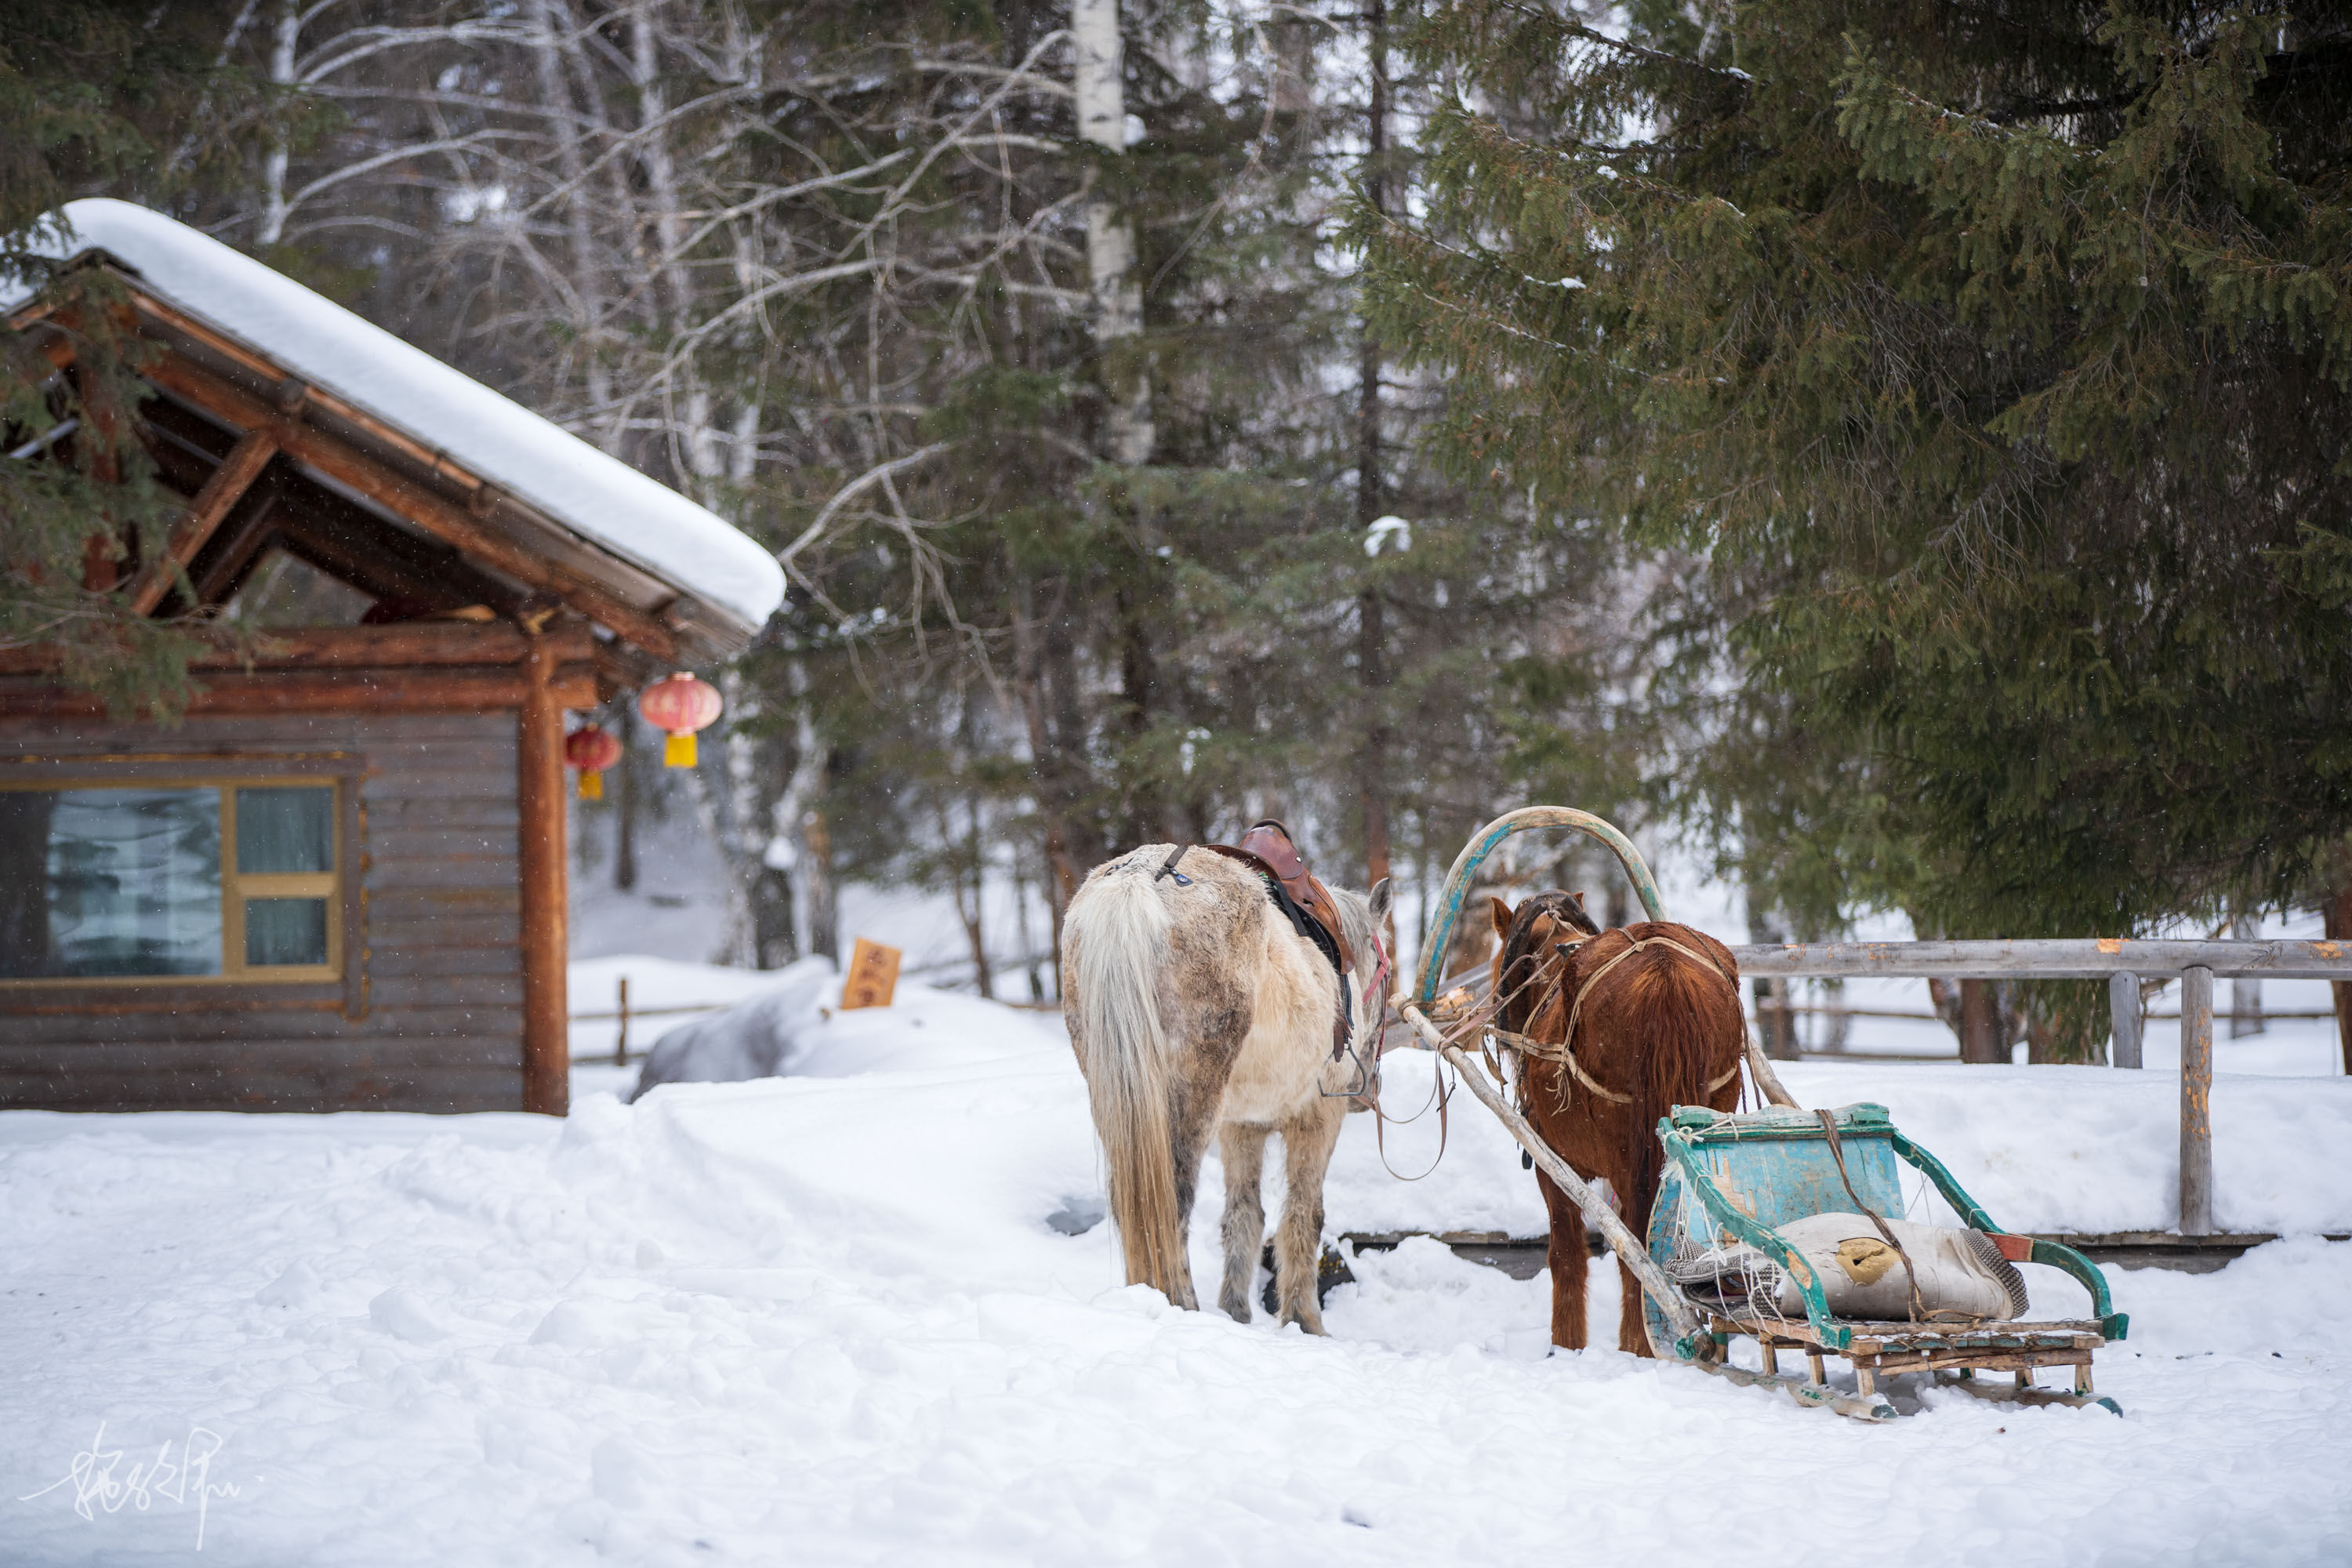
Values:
[(2121, 962), (2083, 958), (1838, 1010)]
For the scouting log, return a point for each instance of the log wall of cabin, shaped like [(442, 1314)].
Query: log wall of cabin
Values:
[(438, 943)]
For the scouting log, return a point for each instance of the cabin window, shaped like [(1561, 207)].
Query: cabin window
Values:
[(229, 880)]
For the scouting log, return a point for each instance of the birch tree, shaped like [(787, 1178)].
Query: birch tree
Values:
[(1100, 72)]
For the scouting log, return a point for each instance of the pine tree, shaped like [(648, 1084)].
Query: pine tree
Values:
[(1997, 362), (120, 99)]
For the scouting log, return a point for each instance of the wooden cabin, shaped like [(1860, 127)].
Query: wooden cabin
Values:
[(340, 883)]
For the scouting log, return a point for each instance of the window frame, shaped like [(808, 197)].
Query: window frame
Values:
[(227, 774)]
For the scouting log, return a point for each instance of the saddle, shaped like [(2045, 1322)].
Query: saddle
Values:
[(1268, 846)]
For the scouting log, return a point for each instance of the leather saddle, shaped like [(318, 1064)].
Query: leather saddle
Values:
[(1268, 847)]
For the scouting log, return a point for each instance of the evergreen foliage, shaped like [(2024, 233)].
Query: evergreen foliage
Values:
[(118, 98), (1996, 362)]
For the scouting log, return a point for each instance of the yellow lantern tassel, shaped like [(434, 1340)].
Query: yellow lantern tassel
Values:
[(591, 785), (678, 751)]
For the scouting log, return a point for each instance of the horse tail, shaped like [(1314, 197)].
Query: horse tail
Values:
[(1122, 935), (1689, 1015)]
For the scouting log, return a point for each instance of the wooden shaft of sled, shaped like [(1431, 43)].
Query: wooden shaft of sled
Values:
[(1628, 1247), (2196, 1102), (1767, 1082)]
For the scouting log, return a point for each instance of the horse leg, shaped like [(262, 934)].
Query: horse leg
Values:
[(1243, 1150), (1306, 1144), (1568, 1259), (1187, 1153)]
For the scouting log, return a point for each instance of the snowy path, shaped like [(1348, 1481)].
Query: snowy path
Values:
[(824, 1320)]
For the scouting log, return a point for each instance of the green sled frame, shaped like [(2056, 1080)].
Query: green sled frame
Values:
[(1755, 1170)]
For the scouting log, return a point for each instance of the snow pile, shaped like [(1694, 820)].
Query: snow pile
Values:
[(836, 1318), (598, 497), (756, 1038), (795, 1028)]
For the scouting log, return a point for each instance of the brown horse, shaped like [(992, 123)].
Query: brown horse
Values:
[(1649, 1018)]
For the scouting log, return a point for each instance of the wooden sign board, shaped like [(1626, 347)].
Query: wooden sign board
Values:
[(872, 976)]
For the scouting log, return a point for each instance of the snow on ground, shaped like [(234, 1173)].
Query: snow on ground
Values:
[(2048, 1149), (831, 1319)]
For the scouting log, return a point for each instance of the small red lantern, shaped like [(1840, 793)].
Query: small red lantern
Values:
[(678, 707), (592, 750)]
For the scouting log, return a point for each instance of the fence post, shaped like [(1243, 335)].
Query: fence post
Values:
[(621, 1041), (2196, 1102), (2123, 1006)]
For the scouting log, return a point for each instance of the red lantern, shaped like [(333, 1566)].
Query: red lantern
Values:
[(592, 750), (678, 707)]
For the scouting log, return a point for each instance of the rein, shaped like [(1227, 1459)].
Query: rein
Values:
[(1919, 1313), (1438, 1090)]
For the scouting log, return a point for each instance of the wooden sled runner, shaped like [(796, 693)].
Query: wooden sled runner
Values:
[(1745, 1177)]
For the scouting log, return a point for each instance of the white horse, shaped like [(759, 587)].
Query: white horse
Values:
[(1195, 1005)]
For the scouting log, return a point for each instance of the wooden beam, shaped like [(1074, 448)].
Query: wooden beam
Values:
[(411, 643), (2197, 1101), (2082, 958), (463, 689), (263, 368), (238, 545), (401, 643), (102, 424), (445, 519), (229, 483), (546, 944)]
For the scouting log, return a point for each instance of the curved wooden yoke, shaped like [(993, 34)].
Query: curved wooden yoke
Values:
[(1482, 844)]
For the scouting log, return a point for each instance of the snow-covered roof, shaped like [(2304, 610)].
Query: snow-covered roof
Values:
[(598, 497)]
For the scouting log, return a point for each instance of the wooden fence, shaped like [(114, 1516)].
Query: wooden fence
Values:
[(2122, 962)]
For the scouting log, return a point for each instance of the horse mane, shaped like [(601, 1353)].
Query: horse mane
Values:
[(1356, 927)]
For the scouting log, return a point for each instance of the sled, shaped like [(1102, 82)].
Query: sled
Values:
[(1748, 1174)]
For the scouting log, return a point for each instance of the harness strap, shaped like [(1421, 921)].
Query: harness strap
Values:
[(1566, 1056), (1910, 1273), (1633, 945), (1380, 1125), (1544, 1051)]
